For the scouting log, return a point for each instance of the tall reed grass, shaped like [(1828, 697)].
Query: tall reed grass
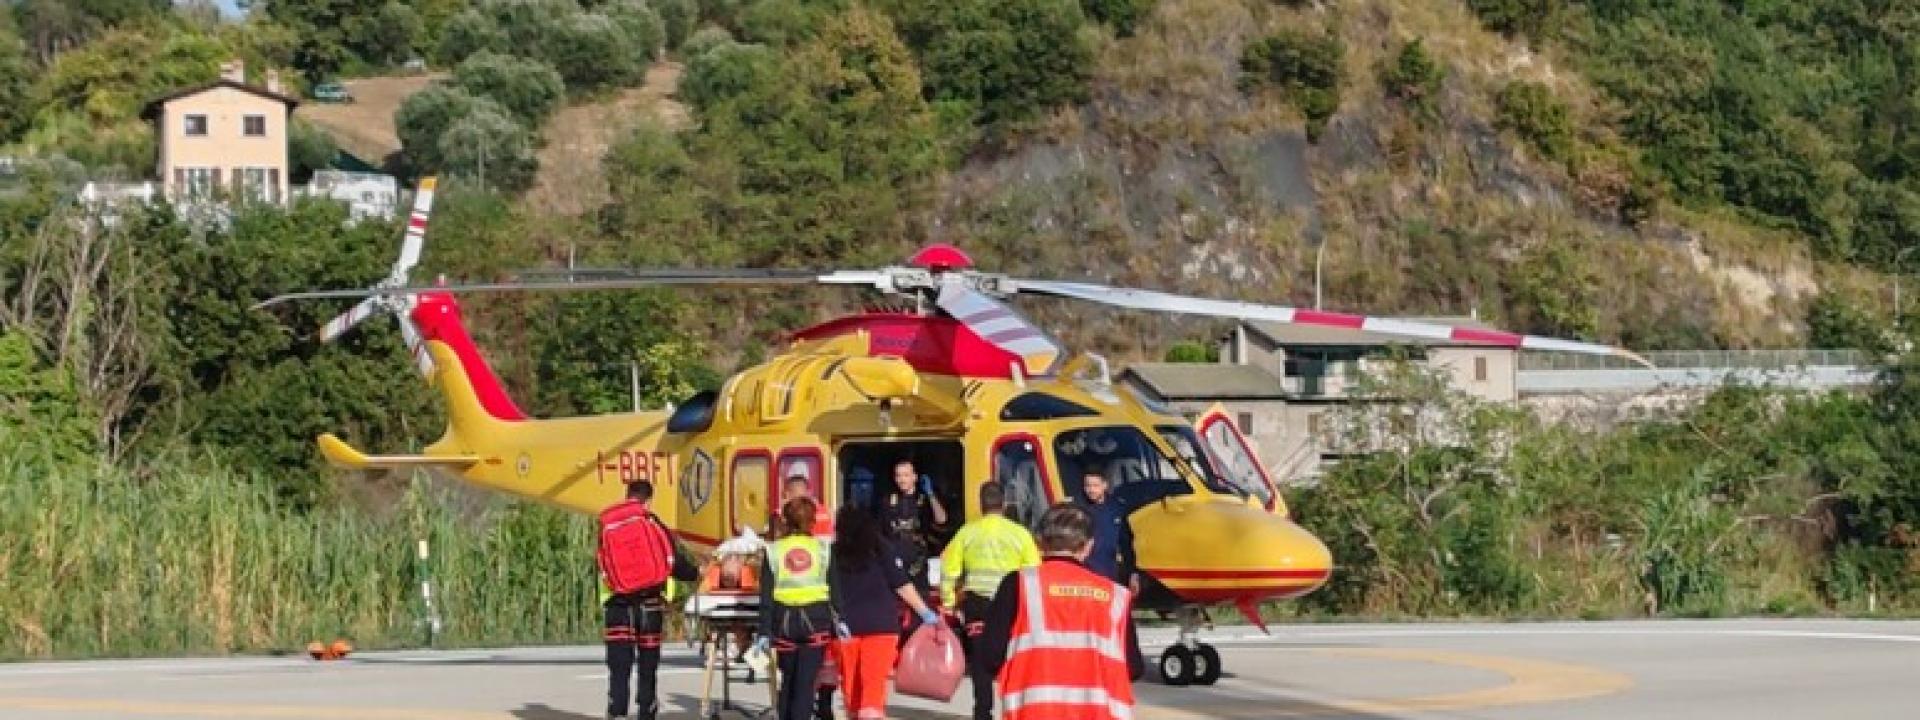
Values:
[(186, 557)]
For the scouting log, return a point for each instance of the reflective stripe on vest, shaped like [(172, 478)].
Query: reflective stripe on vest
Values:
[(1056, 671), (991, 552), (799, 565), (1012, 704)]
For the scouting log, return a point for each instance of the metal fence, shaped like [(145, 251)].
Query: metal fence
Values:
[(1762, 359)]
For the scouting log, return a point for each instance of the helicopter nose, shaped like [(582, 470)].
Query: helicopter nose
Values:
[(1209, 550)]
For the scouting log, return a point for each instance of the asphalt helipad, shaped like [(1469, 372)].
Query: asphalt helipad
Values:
[(1677, 669)]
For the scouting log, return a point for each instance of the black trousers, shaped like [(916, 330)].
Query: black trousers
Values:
[(973, 609), (634, 624), (800, 637)]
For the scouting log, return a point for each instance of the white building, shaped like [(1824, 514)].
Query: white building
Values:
[(367, 195)]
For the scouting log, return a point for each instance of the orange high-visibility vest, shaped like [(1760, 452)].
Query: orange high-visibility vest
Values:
[(1067, 654)]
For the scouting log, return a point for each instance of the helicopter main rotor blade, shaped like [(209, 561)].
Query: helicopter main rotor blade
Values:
[(1188, 305), (639, 280)]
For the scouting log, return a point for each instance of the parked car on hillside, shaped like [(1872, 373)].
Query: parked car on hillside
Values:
[(331, 92)]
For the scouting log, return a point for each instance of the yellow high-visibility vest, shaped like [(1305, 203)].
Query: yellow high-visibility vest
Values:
[(982, 554), (799, 565)]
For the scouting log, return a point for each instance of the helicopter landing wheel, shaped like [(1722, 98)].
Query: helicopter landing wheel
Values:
[(1177, 666), (1206, 665)]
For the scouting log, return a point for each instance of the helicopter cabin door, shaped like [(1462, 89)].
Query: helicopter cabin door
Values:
[(1234, 457)]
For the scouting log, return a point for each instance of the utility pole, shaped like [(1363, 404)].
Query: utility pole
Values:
[(1319, 253)]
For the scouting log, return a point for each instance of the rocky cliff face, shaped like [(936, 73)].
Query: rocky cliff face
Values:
[(1174, 177)]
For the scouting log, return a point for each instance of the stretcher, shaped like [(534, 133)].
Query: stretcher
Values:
[(723, 615)]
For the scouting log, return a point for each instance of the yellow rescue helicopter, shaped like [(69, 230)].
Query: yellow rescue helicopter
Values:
[(963, 386)]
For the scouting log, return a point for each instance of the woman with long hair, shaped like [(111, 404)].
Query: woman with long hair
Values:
[(796, 618), (866, 583)]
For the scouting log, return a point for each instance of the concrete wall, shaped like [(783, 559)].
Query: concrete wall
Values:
[(225, 146), (1486, 373)]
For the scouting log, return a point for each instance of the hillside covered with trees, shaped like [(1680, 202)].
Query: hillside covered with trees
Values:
[(1697, 174)]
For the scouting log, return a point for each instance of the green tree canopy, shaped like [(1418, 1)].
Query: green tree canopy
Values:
[(530, 89)]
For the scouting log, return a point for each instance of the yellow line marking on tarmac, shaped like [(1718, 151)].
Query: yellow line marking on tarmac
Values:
[(221, 710), (1529, 682)]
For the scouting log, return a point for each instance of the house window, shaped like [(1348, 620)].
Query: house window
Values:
[(254, 183), (1480, 369), (1246, 423), (255, 125), (195, 182), (196, 125)]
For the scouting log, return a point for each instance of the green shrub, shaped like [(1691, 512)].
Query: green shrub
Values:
[(530, 89), (1533, 18), (781, 23), (1192, 352), (423, 117), (308, 149), (596, 51), (1833, 322), (1414, 77), (1531, 110), (1305, 67), (470, 32), (390, 36), (488, 146), (677, 19), (15, 86), (1121, 15), (646, 31), (1551, 292), (704, 39), (726, 71), (1009, 60)]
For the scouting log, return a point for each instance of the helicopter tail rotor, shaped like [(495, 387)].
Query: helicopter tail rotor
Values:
[(400, 305)]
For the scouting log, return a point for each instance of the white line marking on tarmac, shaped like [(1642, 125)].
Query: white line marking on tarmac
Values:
[(1779, 634)]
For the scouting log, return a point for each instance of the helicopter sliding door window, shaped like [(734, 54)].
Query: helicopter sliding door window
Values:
[(1019, 469), (805, 462), (751, 488), (1234, 458)]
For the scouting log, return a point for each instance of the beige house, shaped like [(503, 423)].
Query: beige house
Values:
[(1282, 383), (1322, 362), (224, 139)]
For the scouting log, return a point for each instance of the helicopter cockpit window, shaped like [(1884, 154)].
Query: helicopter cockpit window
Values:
[(1043, 406), (1016, 466), (1133, 466), (1237, 464), (1187, 448)]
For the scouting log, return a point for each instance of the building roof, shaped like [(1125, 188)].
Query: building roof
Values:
[(1207, 381), (1284, 334), (152, 108)]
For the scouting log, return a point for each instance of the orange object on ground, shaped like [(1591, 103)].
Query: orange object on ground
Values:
[(340, 649), (316, 650), (865, 663)]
